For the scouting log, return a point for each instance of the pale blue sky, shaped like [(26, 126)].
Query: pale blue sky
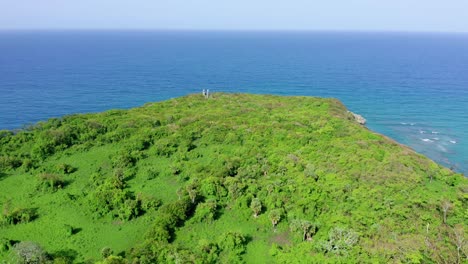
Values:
[(365, 15)]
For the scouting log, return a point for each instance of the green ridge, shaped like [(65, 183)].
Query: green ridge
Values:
[(181, 181)]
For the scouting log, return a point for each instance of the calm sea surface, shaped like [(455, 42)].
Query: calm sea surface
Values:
[(412, 87)]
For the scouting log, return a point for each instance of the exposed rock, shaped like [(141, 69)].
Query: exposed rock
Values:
[(361, 120)]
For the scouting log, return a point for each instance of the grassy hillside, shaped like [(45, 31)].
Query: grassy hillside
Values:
[(230, 179)]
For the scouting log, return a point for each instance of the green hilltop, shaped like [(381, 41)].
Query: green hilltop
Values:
[(235, 178)]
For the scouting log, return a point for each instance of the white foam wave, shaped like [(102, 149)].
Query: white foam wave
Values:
[(453, 141), (435, 132), (426, 140)]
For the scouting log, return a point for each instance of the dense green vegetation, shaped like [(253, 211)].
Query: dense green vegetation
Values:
[(230, 179)]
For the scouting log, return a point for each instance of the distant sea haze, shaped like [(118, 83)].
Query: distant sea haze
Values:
[(412, 87)]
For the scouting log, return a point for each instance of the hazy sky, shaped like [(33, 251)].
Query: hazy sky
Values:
[(367, 15)]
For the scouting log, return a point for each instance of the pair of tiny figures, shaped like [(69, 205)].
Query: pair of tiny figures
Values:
[(206, 93)]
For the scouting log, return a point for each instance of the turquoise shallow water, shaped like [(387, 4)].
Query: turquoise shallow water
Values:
[(410, 87)]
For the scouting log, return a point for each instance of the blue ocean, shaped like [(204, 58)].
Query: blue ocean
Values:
[(412, 87)]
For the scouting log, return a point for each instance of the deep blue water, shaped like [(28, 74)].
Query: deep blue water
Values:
[(412, 87)]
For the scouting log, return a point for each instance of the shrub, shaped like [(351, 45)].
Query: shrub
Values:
[(148, 203), (17, 215), (233, 242), (129, 209), (126, 158), (275, 217), (50, 181), (208, 251), (303, 227), (65, 168), (111, 196), (5, 133), (106, 252), (5, 245), (9, 162), (139, 144), (28, 252), (211, 187), (340, 240), (114, 260), (165, 147), (123, 159), (152, 173), (309, 171), (206, 211), (106, 198), (256, 206), (28, 164), (178, 210), (159, 233)]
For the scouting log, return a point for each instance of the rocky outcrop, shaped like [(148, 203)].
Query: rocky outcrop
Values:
[(361, 120)]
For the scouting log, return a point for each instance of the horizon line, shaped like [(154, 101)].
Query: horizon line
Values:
[(229, 30)]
